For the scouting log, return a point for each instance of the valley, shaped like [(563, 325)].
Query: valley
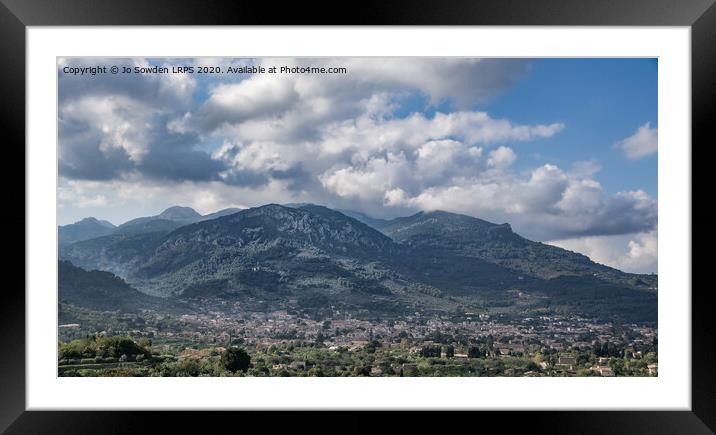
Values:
[(432, 294)]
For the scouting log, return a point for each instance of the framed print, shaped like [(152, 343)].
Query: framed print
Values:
[(460, 207)]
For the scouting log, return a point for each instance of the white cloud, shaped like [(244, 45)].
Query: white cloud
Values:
[(256, 156), (641, 144), (365, 135), (345, 141), (501, 158), (440, 160), (297, 104), (119, 122), (635, 253), (371, 181)]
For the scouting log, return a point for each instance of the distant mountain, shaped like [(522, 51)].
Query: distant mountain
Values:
[(297, 204), (220, 213), (378, 224), (180, 214), (166, 221), (87, 228), (322, 257)]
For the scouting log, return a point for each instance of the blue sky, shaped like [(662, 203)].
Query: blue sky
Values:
[(601, 101), (563, 149)]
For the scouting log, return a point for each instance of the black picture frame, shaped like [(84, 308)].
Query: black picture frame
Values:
[(16, 15)]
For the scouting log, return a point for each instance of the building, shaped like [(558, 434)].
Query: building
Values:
[(567, 362), (603, 370)]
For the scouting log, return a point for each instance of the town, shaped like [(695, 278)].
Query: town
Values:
[(287, 342)]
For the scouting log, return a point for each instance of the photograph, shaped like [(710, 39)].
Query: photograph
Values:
[(231, 211), (357, 217)]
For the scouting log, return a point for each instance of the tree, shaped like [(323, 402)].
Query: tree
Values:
[(145, 343), (235, 359), (475, 352), (430, 351), (449, 351), (372, 346)]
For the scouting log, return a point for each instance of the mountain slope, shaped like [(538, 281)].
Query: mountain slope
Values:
[(321, 257), (465, 236), (99, 290), (279, 242), (116, 253)]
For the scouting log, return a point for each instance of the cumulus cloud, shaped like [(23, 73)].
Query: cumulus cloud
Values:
[(391, 137), (641, 144), (296, 105), (636, 253), (502, 157), (115, 125), (111, 126), (546, 203)]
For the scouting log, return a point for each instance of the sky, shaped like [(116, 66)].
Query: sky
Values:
[(565, 150)]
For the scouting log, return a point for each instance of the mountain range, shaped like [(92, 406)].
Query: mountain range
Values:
[(320, 257)]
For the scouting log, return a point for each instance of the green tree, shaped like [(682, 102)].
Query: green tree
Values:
[(449, 351), (235, 359), (475, 352), (372, 346)]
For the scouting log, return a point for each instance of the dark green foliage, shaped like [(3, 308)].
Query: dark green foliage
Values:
[(430, 351), (100, 346), (449, 351), (235, 359), (475, 352), (372, 346)]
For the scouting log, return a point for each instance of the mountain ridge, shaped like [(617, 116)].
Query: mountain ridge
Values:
[(278, 252)]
